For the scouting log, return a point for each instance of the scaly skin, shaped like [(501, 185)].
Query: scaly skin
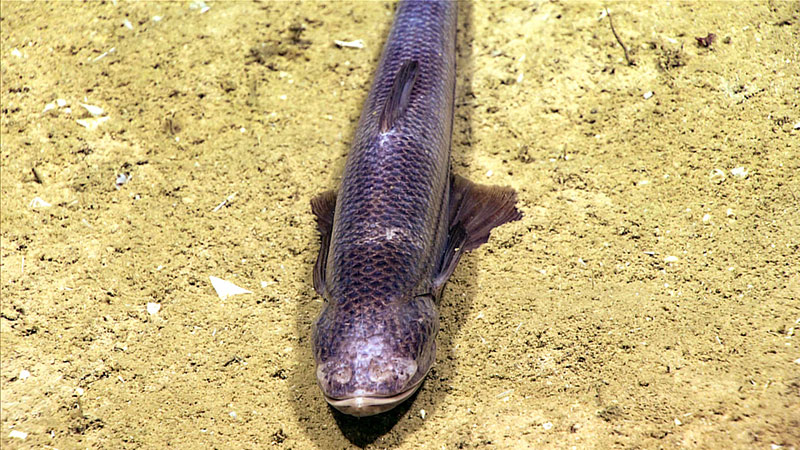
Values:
[(374, 340)]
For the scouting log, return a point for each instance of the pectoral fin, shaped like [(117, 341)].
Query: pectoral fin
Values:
[(323, 206), (474, 210)]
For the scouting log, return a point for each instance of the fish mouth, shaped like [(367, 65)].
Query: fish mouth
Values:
[(367, 405)]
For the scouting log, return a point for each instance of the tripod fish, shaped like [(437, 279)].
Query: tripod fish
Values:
[(393, 233)]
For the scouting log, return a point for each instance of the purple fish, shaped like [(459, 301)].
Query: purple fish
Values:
[(394, 232)]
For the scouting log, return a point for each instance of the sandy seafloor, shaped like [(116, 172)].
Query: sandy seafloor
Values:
[(648, 299)]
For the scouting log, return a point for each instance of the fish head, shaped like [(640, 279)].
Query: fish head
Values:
[(373, 356)]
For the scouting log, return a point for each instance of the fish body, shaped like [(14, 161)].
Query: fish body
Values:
[(394, 231)]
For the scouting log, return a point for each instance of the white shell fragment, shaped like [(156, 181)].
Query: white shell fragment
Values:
[(199, 4), (226, 289), (93, 110), (706, 217), (104, 54), (92, 123), (127, 24), (718, 176), (358, 43), (58, 103), (153, 308), (122, 178), (647, 95), (24, 374), (227, 200), (18, 434), (671, 259), (37, 202), (739, 172), (16, 52)]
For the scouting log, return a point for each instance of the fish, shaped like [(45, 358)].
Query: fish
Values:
[(393, 233)]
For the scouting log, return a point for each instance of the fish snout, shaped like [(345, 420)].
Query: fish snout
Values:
[(365, 388), (376, 377)]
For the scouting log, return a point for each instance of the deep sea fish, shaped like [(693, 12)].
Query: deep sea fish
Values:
[(393, 233)]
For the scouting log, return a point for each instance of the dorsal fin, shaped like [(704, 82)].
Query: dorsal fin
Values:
[(397, 102)]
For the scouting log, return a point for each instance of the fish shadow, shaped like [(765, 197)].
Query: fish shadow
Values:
[(309, 403), (362, 431)]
